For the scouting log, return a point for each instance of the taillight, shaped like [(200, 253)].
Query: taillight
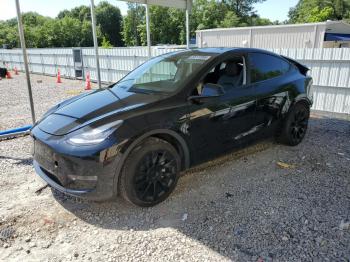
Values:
[(309, 73)]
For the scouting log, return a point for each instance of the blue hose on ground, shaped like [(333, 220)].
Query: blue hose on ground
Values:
[(16, 130)]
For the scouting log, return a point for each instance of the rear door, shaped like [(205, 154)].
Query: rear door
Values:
[(271, 78)]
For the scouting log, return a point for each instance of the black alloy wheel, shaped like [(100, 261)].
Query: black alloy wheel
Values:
[(295, 125), (299, 126), (150, 173), (156, 174)]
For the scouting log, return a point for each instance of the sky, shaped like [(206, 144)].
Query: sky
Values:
[(275, 9), (272, 9)]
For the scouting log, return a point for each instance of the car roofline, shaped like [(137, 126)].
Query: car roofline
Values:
[(223, 50)]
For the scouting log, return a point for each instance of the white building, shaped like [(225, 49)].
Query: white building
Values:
[(316, 35)]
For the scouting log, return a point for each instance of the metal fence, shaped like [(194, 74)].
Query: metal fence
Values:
[(114, 62), (41, 61), (330, 68)]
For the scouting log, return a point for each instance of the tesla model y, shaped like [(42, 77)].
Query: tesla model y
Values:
[(134, 137)]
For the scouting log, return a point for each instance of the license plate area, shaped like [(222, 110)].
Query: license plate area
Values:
[(49, 161), (44, 156)]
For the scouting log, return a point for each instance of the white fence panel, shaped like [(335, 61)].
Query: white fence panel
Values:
[(42, 61), (330, 68), (117, 62)]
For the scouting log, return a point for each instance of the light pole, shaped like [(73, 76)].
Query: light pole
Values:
[(149, 45), (25, 59), (93, 22)]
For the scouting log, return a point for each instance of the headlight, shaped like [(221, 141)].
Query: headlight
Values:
[(94, 136)]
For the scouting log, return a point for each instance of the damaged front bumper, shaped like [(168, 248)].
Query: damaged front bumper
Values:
[(90, 176)]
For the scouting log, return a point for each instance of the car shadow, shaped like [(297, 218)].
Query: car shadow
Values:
[(195, 208), (19, 161), (239, 209)]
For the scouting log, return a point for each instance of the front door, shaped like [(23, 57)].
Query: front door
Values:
[(219, 124)]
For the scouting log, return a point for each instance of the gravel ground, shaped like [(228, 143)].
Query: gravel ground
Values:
[(14, 101), (241, 207)]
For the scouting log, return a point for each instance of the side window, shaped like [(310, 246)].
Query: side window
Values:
[(264, 67), (223, 65), (229, 74)]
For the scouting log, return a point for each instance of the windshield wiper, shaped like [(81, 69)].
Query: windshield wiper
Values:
[(117, 84), (125, 80), (141, 91)]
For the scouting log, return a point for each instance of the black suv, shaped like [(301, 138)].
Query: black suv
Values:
[(174, 111)]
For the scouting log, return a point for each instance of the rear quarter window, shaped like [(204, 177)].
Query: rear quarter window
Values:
[(264, 67)]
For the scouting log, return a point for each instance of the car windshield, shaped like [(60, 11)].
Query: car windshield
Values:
[(163, 74)]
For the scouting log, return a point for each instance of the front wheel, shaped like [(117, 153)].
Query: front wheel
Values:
[(295, 125), (150, 173)]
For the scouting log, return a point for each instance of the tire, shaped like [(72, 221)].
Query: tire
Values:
[(150, 173), (295, 125)]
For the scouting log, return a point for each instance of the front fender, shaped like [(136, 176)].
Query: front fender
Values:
[(124, 153)]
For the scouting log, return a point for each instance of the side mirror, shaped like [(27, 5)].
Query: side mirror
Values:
[(212, 90), (209, 92)]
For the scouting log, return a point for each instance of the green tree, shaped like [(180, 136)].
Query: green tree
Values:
[(106, 43), (243, 8), (73, 27), (8, 35), (33, 19), (230, 20), (86, 30), (109, 19), (318, 15), (47, 32), (80, 12), (307, 11), (168, 24), (131, 25), (209, 14)]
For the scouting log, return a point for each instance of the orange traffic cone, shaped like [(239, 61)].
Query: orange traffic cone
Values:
[(8, 75), (58, 77), (88, 82), (15, 70)]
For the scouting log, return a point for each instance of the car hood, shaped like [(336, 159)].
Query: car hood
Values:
[(83, 110)]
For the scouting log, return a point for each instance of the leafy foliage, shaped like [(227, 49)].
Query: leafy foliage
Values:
[(307, 11), (132, 25), (168, 24), (242, 8), (73, 27), (108, 19), (106, 43)]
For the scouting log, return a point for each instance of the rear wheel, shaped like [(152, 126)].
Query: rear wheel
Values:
[(150, 173), (295, 125)]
